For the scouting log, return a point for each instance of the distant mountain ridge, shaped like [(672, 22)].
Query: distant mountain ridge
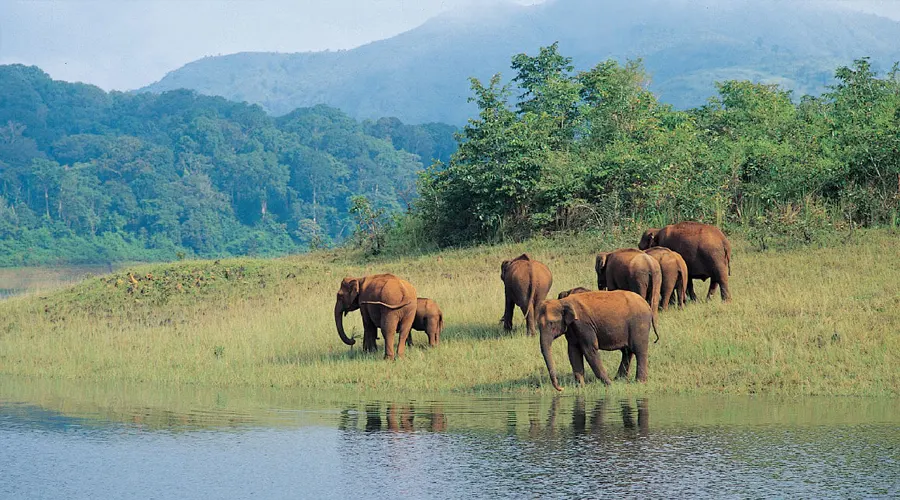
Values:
[(422, 75)]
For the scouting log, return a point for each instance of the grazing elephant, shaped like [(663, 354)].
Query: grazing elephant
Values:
[(674, 275), (429, 319), (617, 320), (705, 249), (573, 291), (386, 302), (630, 269), (526, 283)]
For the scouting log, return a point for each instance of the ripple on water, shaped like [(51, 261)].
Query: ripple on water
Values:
[(456, 448)]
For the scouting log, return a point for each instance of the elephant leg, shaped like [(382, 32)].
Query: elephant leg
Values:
[(723, 282), (508, 313), (668, 290), (625, 365), (370, 334), (432, 330), (529, 321), (405, 328), (576, 359), (713, 285), (408, 340), (593, 358), (690, 290), (389, 323), (641, 355), (682, 290)]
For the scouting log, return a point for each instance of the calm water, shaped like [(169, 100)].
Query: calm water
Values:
[(64, 442), (20, 280)]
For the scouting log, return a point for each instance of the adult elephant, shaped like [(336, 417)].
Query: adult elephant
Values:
[(630, 269), (526, 284), (705, 249), (591, 321), (386, 302), (674, 275)]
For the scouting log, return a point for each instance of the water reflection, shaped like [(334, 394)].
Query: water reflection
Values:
[(543, 420), (584, 422), (395, 417), (87, 442)]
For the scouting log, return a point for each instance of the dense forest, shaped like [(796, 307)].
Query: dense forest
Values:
[(559, 150), (90, 176)]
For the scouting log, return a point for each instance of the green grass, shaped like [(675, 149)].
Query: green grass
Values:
[(822, 321)]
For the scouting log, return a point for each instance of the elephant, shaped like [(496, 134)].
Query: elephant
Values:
[(674, 275), (573, 291), (630, 269), (526, 283), (705, 249), (386, 302), (607, 320), (429, 319)]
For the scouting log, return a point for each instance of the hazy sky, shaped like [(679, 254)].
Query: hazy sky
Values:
[(125, 44)]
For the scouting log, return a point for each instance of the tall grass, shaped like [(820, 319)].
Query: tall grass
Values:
[(803, 322)]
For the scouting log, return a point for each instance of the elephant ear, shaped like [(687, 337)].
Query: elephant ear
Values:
[(647, 239), (570, 315), (503, 267), (350, 289)]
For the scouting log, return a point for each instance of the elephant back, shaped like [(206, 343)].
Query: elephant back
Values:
[(699, 245), (388, 290)]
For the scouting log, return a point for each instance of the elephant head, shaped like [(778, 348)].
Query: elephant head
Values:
[(649, 239), (600, 267), (347, 300), (504, 266), (554, 318)]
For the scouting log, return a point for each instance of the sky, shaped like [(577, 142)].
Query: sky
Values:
[(127, 44)]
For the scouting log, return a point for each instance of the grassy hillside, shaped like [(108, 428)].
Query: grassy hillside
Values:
[(421, 75), (810, 321)]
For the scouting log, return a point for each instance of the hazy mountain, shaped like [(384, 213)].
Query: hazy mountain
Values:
[(421, 75)]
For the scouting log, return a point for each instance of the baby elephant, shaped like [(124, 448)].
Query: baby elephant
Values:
[(617, 320), (429, 319)]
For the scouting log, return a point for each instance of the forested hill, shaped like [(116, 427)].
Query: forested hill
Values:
[(687, 45), (87, 175)]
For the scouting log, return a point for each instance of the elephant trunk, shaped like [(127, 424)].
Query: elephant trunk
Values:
[(339, 322), (546, 343)]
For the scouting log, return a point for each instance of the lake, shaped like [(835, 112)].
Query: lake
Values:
[(19, 280), (66, 440)]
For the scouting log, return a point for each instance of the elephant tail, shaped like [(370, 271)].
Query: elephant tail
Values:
[(531, 293), (653, 323), (389, 306), (653, 290), (728, 256)]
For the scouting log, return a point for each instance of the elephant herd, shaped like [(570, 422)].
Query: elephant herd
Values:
[(633, 284)]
